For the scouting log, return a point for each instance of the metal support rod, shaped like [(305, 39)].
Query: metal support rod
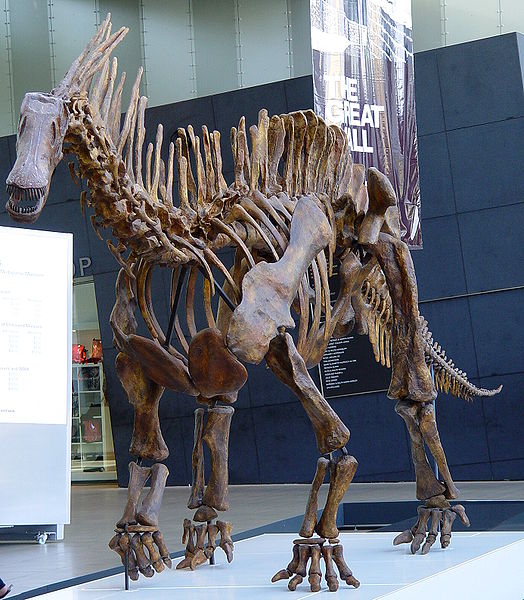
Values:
[(220, 291), (212, 557), (126, 563), (179, 283), (435, 464)]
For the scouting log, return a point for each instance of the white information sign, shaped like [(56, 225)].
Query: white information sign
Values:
[(35, 375)]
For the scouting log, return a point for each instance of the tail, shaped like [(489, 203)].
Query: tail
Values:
[(446, 376)]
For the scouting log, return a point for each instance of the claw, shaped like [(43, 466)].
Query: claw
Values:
[(226, 543), (154, 555), (433, 530), (294, 581), (447, 521), (198, 559), (403, 538), (420, 528), (185, 563), (461, 512), (345, 572), (144, 565), (282, 574), (158, 538)]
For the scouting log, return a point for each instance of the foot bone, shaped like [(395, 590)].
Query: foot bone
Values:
[(443, 517), (313, 550), (145, 549), (197, 551)]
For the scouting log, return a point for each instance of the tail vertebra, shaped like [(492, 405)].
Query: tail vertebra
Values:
[(446, 376)]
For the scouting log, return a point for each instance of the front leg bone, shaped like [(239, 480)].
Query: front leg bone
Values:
[(427, 484), (433, 530), (197, 461), (137, 479), (144, 394), (148, 514), (212, 533), (269, 289), (125, 545), (310, 516), (420, 528), (342, 473), (216, 437), (447, 521), (428, 428), (304, 552), (188, 538)]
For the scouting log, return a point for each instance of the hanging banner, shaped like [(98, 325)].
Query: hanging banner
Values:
[(363, 82)]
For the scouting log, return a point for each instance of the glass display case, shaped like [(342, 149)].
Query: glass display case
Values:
[(92, 452)]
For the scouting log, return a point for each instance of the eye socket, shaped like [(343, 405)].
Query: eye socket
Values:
[(54, 132)]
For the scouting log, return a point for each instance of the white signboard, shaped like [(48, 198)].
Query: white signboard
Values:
[(35, 376)]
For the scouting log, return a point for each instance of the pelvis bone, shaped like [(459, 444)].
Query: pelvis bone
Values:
[(269, 288)]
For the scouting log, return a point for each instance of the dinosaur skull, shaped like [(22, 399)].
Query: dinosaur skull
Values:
[(41, 132)]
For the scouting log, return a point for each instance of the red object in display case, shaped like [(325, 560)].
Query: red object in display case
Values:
[(92, 430), (79, 353), (96, 352)]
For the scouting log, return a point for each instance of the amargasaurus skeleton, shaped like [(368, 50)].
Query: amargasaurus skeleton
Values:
[(297, 204)]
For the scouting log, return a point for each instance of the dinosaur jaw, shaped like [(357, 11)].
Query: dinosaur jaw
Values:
[(26, 204)]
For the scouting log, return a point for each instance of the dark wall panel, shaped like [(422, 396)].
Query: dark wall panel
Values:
[(481, 81), (430, 116), (451, 326), (435, 176), (493, 258), (505, 423), (486, 164), (498, 325), (441, 247), (483, 102), (384, 454)]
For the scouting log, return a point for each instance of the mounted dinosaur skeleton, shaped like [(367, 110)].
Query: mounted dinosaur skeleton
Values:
[(297, 204)]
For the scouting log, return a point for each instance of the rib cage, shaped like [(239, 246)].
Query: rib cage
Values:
[(290, 155)]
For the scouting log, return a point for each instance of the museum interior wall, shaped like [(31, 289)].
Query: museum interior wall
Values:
[(471, 120)]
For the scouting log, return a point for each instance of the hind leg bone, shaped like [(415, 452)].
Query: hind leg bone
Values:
[(421, 425), (332, 435)]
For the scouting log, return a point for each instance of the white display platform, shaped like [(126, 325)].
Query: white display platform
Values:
[(478, 566)]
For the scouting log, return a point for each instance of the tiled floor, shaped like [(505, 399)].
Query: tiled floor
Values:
[(96, 508)]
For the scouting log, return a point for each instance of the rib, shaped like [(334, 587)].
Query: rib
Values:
[(190, 301)]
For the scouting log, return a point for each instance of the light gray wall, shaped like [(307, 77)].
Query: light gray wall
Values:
[(438, 23), (189, 48)]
